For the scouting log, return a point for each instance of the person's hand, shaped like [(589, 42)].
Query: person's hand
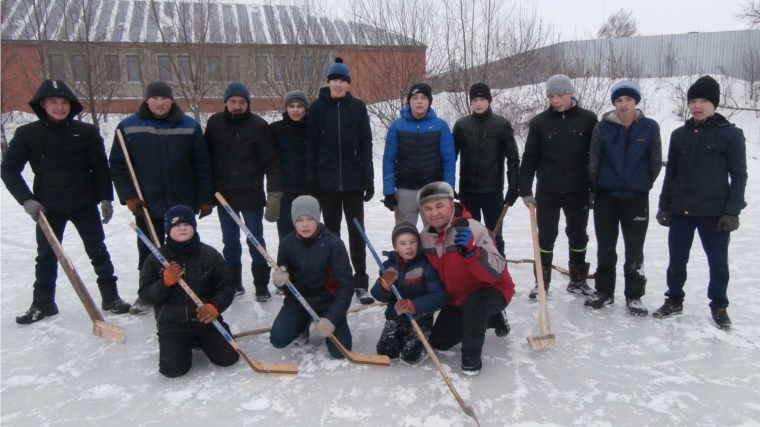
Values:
[(528, 200), (204, 210), (388, 278), (272, 209), (280, 277), (32, 208), (136, 206), (368, 185), (207, 313), (405, 306), (390, 202), (662, 218), (591, 197), (464, 240), (324, 327), (106, 210), (511, 197), (172, 274), (728, 223)]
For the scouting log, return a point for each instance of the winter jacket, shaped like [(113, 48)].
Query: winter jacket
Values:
[(701, 159), (338, 143), (290, 137), (320, 270), (417, 281), (557, 151), (206, 273), (418, 152), (625, 161), (68, 158), (463, 276), (170, 159), (484, 141), (242, 151)]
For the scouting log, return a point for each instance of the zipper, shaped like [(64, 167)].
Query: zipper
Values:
[(417, 155), (340, 154)]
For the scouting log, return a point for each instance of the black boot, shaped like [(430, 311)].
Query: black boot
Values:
[(471, 365), (43, 304), (578, 275), (139, 306), (547, 269), (720, 317), (599, 300), (261, 283), (669, 308), (499, 322), (110, 300), (361, 284), (236, 273)]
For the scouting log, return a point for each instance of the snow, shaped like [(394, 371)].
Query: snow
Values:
[(608, 368)]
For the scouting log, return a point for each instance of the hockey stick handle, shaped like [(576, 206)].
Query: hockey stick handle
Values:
[(133, 175)]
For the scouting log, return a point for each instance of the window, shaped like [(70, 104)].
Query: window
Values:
[(307, 69), (262, 69), (279, 68), (133, 68), (164, 69), (78, 65), (214, 69), (113, 68), (185, 71), (57, 67), (233, 68)]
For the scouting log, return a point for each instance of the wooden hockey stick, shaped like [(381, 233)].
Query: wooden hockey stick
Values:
[(501, 219), (280, 369), (555, 267), (359, 359), (546, 339), (100, 327), (132, 175)]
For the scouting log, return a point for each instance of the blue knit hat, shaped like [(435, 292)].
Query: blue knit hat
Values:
[(177, 215), (625, 88), (237, 89), (339, 70)]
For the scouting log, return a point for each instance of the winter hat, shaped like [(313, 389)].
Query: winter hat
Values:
[(237, 89), (706, 88), (559, 84), (435, 190), (480, 90), (177, 215), (626, 88), (404, 227), (339, 70), (159, 88), (296, 96), (422, 88), (304, 205)]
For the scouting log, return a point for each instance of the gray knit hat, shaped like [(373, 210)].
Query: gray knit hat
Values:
[(435, 190), (304, 205), (296, 96), (559, 84), (404, 227)]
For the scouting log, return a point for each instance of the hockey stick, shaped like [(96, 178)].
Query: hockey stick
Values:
[(462, 404), (282, 369), (501, 219), (546, 339), (132, 175), (359, 359), (100, 327), (555, 267)]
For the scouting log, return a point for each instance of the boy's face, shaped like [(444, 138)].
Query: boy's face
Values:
[(479, 105), (338, 88), (625, 105), (701, 108), (407, 246), (296, 111), (438, 212), (419, 104), (306, 226), (182, 232), (561, 102), (56, 108), (236, 105)]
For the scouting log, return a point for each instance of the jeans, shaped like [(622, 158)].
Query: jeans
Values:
[(491, 204), (292, 321), (575, 208), (233, 250)]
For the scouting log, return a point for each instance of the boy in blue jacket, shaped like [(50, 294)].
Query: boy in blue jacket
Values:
[(420, 287)]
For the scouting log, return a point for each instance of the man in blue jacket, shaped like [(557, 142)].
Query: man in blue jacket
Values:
[(339, 169), (419, 149), (170, 158), (703, 190)]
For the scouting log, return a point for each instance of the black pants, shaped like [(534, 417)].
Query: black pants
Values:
[(491, 204), (336, 203), (631, 215), (467, 324), (90, 229), (575, 208), (293, 320), (400, 340), (176, 348), (142, 251)]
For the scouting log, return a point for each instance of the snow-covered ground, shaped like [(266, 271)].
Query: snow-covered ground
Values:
[(608, 368)]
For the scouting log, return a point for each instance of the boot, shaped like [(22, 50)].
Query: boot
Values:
[(236, 272), (361, 284), (599, 300), (499, 322), (578, 275), (669, 308), (720, 317), (547, 270), (43, 304), (261, 283), (471, 365), (139, 307), (110, 300), (636, 307)]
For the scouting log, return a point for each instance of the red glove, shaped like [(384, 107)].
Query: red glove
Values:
[(207, 313), (172, 274), (388, 278), (405, 306), (136, 206)]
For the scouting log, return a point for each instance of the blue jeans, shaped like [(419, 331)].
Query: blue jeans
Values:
[(233, 250), (292, 321), (715, 244), (491, 204)]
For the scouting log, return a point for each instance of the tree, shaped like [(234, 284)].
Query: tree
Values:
[(750, 13), (619, 24)]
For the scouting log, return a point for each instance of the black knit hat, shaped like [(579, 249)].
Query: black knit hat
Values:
[(706, 88), (177, 215), (480, 90), (422, 88), (159, 88), (404, 227)]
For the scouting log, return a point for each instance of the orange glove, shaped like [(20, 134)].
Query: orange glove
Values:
[(405, 306), (204, 210), (136, 206), (388, 278), (207, 313), (172, 274)]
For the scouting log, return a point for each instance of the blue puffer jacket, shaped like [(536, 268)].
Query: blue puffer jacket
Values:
[(290, 138), (417, 281), (170, 159), (625, 161), (418, 152), (338, 143)]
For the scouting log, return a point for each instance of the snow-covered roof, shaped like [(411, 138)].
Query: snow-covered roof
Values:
[(139, 21)]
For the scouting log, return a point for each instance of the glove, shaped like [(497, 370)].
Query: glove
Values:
[(272, 210), (325, 327), (388, 278), (106, 209), (312, 189), (172, 274), (368, 185), (281, 277), (32, 208), (136, 206), (464, 239), (511, 197), (204, 210), (662, 218), (405, 306), (591, 197), (390, 202), (528, 200), (207, 313), (728, 223)]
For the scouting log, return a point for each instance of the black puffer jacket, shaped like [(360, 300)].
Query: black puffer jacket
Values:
[(701, 159), (68, 158), (484, 141), (242, 152), (557, 151), (290, 137)]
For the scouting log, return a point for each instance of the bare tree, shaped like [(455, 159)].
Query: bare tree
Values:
[(619, 24), (750, 13)]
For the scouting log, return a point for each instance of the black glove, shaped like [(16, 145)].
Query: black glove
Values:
[(728, 223), (511, 197), (312, 189), (390, 202), (368, 185), (662, 218)]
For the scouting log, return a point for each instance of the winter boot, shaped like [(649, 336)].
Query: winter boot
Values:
[(669, 308), (413, 350), (499, 322), (599, 300), (236, 272), (471, 365), (720, 316), (261, 282), (361, 284), (636, 307), (139, 306), (578, 275), (547, 269), (111, 300), (43, 304)]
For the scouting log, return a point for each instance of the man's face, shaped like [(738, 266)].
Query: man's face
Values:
[(479, 105), (296, 111), (306, 226), (182, 232), (419, 104), (159, 106), (236, 105), (338, 88), (701, 108), (625, 106), (561, 102), (56, 108), (438, 212)]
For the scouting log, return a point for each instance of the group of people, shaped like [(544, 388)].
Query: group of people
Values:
[(317, 163)]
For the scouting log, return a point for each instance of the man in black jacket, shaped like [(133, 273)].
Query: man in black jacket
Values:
[(339, 169), (70, 178), (242, 152), (484, 140), (557, 153)]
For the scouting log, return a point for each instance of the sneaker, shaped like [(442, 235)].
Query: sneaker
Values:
[(117, 306), (599, 300), (364, 296), (35, 314), (636, 307), (669, 308), (499, 323), (720, 316), (580, 288), (471, 366), (139, 307), (534, 293), (303, 339)]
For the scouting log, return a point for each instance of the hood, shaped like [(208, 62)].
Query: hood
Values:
[(324, 94), (54, 88), (176, 115), (612, 117), (406, 113)]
